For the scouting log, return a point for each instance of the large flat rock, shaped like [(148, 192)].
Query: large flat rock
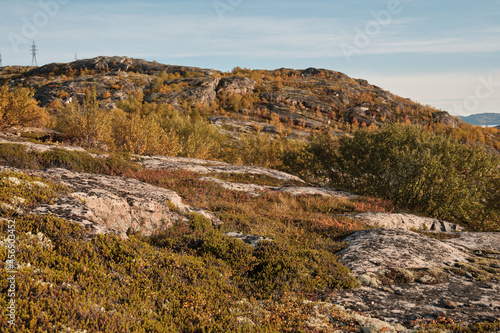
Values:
[(255, 190), (408, 277), (204, 167), (110, 204), (371, 250)]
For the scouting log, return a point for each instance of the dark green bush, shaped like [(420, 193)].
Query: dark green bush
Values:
[(313, 162), (421, 171)]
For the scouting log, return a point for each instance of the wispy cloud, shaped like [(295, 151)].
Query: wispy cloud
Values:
[(256, 36), (464, 37)]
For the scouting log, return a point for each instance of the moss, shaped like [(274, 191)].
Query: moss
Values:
[(19, 191), (482, 268)]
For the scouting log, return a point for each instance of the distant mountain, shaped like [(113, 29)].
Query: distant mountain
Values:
[(482, 119)]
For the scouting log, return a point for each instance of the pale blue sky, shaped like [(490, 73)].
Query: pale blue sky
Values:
[(433, 51)]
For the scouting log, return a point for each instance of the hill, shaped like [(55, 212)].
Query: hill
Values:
[(483, 119), (282, 102)]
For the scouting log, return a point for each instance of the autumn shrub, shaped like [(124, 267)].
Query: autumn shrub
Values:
[(161, 130), (262, 150), (142, 135), (87, 124), (418, 170), (197, 137), (19, 108)]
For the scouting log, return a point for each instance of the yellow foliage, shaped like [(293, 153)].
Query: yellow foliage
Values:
[(143, 136), (19, 108)]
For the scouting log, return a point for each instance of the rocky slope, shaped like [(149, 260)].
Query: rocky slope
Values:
[(297, 100)]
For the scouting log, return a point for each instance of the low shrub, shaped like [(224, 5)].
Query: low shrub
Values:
[(16, 156), (20, 190), (420, 171)]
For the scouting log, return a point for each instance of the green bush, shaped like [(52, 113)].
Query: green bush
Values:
[(313, 161), (421, 171)]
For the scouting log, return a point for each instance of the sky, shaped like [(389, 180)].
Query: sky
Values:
[(439, 52)]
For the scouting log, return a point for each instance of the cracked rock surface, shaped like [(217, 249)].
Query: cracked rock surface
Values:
[(408, 277)]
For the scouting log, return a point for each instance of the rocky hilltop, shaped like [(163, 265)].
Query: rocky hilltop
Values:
[(310, 99)]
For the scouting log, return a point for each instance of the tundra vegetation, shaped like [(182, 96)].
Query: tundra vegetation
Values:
[(192, 277)]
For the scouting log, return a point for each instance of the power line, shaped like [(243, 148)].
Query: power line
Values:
[(0, 59), (34, 52)]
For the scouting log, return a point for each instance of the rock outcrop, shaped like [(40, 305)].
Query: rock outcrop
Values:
[(255, 190), (408, 277), (109, 204), (236, 85), (407, 222), (204, 167), (445, 118), (311, 98)]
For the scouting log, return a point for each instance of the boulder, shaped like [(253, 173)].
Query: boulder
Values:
[(236, 85), (445, 118), (110, 204), (372, 250)]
